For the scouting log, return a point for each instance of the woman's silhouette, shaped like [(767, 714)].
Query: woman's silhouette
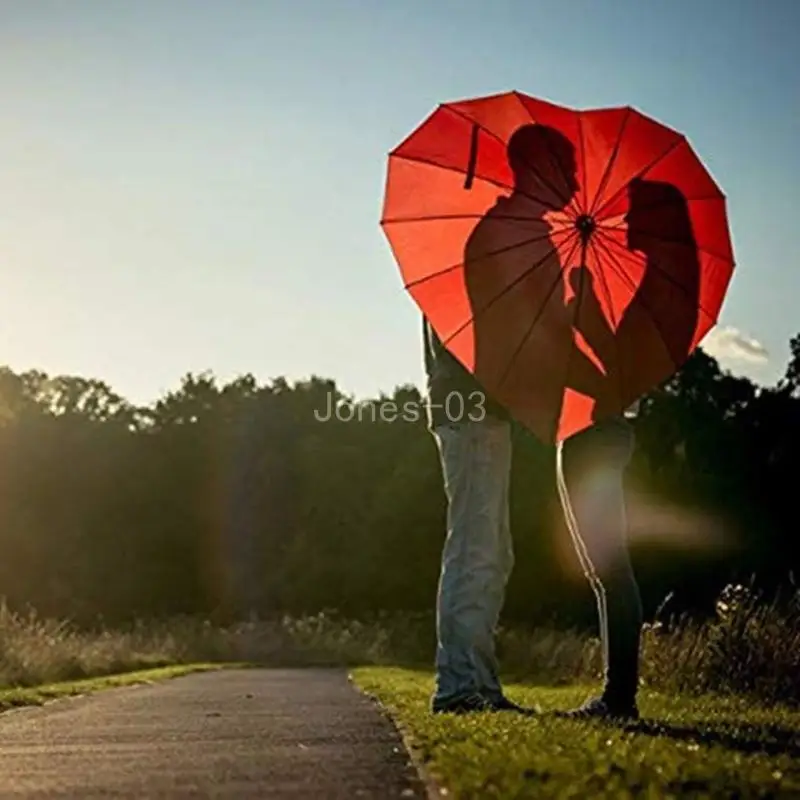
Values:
[(653, 338), (657, 330)]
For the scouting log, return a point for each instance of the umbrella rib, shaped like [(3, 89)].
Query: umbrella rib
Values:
[(536, 318), (645, 169), (447, 217), (573, 326), (661, 203), (610, 165), (652, 264), (653, 317), (604, 282), (585, 204), (568, 202), (614, 320), (631, 283), (485, 255), (515, 282), (494, 136), (666, 240), (433, 218)]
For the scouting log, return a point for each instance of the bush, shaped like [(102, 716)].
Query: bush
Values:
[(750, 647)]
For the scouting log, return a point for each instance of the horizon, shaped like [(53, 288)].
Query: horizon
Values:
[(194, 188)]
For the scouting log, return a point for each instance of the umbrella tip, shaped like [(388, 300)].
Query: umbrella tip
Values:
[(586, 226)]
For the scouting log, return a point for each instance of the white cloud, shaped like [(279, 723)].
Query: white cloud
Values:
[(730, 344)]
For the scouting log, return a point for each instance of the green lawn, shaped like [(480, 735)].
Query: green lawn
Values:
[(683, 747), (37, 695)]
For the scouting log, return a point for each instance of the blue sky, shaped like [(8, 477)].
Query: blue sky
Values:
[(197, 185)]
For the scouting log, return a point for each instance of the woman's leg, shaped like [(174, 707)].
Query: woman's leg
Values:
[(590, 472)]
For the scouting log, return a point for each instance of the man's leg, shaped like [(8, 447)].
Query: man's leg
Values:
[(590, 483), (476, 460), (500, 552)]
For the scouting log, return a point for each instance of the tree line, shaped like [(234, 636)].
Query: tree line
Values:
[(227, 499)]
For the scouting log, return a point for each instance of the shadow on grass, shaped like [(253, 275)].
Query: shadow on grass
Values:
[(771, 740)]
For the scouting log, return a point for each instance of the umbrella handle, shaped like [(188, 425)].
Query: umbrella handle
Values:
[(473, 157)]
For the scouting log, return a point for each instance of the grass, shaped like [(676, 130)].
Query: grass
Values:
[(38, 695), (696, 746)]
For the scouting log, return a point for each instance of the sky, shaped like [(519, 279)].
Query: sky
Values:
[(194, 185)]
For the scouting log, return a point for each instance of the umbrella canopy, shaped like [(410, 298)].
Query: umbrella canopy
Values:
[(571, 260)]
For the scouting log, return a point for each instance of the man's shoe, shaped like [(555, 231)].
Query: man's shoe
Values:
[(467, 704), (502, 703), (598, 708)]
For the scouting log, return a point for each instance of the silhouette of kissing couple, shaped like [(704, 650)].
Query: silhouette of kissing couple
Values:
[(564, 297)]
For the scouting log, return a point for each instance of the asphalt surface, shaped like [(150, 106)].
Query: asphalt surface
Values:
[(237, 734)]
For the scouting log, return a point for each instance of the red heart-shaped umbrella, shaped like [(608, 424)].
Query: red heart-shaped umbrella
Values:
[(571, 260)]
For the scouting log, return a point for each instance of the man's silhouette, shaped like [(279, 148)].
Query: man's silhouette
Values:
[(515, 282), (513, 357)]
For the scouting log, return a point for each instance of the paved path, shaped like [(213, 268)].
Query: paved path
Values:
[(233, 734)]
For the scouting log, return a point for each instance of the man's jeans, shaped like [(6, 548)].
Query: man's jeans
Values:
[(590, 472), (477, 558)]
